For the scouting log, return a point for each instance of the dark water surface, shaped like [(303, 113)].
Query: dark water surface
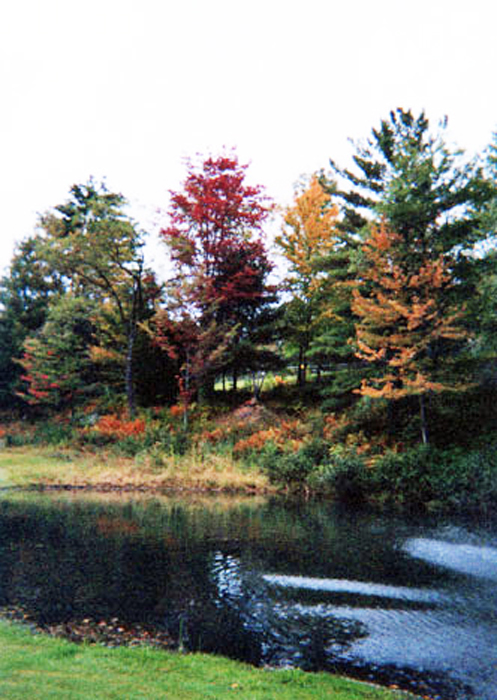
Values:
[(411, 602)]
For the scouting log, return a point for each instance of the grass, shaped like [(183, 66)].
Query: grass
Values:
[(25, 466), (39, 667)]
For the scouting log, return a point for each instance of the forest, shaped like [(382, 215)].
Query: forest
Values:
[(353, 354)]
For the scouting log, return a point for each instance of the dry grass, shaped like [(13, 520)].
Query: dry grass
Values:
[(29, 465)]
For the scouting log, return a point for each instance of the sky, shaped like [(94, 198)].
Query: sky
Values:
[(127, 90)]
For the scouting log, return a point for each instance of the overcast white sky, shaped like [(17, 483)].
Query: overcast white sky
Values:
[(126, 89)]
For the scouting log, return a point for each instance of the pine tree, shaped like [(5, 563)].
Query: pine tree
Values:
[(430, 195)]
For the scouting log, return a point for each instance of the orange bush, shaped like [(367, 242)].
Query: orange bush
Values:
[(177, 410), (212, 436), (289, 436), (334, 427), (115, 427)]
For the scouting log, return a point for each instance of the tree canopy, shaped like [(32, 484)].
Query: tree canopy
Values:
[(388, 291)]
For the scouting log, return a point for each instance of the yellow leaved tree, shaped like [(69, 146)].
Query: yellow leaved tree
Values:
[(310, 240)]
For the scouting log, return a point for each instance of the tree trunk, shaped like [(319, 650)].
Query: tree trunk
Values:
[(132, 331), (301, 372), (129, 379), (422, 415), (186, 396)]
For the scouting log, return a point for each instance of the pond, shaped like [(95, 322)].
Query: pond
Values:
[(273, 582)]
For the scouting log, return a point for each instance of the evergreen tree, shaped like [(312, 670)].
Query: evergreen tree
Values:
[(483, 304), (58, 371), (26, 292), (430, 195)]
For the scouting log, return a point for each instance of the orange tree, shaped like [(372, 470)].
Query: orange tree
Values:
[(408, 322)]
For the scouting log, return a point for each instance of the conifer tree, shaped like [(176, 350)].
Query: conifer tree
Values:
[(58, 371), (407, 322), (430, 195)]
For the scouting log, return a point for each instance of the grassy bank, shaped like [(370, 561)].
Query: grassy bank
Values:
[(41, 667), (29, 465)]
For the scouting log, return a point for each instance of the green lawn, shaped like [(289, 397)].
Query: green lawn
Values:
[(39, 667)]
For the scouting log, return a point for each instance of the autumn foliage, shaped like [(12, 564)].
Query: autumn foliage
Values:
[(406, 322), (313, 247), (214, 237), (114, 427)]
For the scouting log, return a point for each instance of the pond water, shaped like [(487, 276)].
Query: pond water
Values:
[(410, 602)]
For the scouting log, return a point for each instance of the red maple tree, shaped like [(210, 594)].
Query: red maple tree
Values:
[(220, 292)]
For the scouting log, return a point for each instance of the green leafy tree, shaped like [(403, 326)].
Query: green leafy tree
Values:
[(97, 249)]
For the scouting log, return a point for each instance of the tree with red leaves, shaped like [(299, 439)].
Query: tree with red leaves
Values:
[(215, 239)]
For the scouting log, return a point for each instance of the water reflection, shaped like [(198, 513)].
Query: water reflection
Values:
[(265, 581), (355, 587), (468, 559)]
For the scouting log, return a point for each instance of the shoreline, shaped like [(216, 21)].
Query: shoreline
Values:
[(114, 636), (44, 468)]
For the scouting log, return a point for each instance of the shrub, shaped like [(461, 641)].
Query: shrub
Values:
[(52, 433), (435, 478), (117, 428), (292, 469), (344, 476), (471, 479), (407, 476), (15, 439), (289, 470)]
